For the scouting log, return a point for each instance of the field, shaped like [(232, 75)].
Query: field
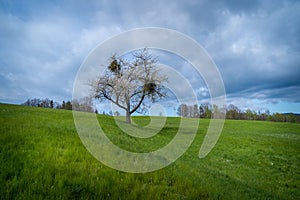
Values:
[(42, 157)]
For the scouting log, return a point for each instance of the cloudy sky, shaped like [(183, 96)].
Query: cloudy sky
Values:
[(255, 44)]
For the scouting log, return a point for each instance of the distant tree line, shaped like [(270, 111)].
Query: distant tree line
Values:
[(44, 103), (206, 110), (85, 104)]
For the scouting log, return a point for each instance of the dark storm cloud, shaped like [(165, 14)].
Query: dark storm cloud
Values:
[(255, 44), (258, 49)]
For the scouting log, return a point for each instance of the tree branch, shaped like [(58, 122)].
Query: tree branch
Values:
[(115, 102), (138, 105)]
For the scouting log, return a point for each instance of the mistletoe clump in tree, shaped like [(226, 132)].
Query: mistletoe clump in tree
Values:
[(131, 84)]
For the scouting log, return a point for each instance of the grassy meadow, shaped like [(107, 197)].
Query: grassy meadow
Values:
[(42, 157)]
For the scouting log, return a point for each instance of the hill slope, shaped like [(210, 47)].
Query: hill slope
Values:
[(41, 156)]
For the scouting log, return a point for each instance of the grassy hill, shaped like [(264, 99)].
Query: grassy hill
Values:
[(42, 157)]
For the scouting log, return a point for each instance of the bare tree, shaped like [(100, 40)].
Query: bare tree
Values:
[(196, 112), (84, 104), (131, 84), (183, 110)]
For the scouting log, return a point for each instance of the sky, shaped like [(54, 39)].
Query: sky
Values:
[(255, 44)]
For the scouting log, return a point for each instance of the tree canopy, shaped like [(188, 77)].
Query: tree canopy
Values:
[(131, 84)]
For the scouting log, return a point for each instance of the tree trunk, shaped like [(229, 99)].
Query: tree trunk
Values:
[(128, 119)]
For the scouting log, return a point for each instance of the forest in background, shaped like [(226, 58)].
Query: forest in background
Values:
[(205, 110)]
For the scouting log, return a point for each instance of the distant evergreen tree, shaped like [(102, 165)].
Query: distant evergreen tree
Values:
[(63, 105), (51, 104), (68, 105)]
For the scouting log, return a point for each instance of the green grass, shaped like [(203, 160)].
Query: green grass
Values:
[(42, 157)]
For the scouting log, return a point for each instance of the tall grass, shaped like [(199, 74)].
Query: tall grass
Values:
[(42, 157)]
